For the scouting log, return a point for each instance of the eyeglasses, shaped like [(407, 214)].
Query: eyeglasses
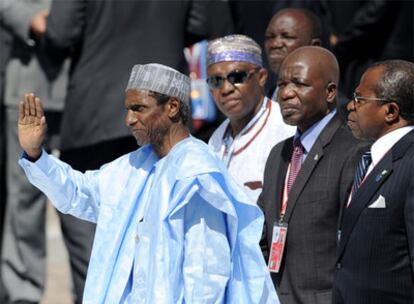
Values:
[(358, 99), (235, 77)]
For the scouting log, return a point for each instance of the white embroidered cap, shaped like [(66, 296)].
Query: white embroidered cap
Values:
[(161, 79)]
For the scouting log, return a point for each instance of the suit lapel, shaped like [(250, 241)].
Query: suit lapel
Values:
[(280, 173), (363, 196), (309, 165), (305, 172), (373, 182)]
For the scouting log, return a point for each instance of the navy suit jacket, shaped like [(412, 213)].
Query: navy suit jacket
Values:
[(376, 250)]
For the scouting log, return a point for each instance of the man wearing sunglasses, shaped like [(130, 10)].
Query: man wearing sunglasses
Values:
[(254, 124), (375, 262), (307, 179)]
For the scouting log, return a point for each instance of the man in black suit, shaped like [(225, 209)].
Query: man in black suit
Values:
[(375, 262), (309, 203), (366, 31)]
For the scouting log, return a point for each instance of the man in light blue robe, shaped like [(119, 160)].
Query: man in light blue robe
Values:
[(172, 225)]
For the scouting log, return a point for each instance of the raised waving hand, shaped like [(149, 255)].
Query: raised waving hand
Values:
[(32, 125)]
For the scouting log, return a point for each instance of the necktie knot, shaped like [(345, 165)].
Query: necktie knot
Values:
[(366, 158), (361, 171), (297, 146)]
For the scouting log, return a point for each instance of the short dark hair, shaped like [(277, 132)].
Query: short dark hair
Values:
[(397, 84), (162, 99)]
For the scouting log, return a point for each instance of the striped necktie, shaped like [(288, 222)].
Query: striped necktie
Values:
[(295, 163), (361, 170)]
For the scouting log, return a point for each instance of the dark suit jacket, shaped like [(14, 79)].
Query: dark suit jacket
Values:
[(376, 252), (370, 31), (105, 39), (313, 208)]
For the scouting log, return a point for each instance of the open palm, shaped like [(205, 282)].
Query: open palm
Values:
[(31, 125)]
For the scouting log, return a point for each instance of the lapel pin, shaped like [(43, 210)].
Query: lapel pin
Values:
[(379, 176), (316, 157)]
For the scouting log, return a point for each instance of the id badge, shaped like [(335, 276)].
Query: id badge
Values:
[(277, 247)]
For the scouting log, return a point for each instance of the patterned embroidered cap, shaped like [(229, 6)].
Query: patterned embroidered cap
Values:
[(234, 48), (161, 79)]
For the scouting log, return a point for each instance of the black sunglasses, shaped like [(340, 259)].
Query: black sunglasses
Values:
[(234, 77)]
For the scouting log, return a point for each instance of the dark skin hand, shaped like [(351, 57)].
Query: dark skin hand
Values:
[(32, 126)]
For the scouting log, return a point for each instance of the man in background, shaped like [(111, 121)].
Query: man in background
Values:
[(236, 79), (364, 32), (23, 255), (288, 30)]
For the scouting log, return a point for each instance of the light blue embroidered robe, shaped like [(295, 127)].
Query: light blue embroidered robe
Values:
[(180, 225)]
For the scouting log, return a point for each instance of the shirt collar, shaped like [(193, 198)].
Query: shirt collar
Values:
[(383, 144), (309, 137)]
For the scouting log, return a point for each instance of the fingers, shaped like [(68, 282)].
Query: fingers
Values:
[(43, 122), (26, 105), (32, 105), (31, 108), (21, 111), (32, 125), (39, 108)]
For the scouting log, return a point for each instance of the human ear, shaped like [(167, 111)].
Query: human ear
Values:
[(316, 42), (173, 107), (393, 112), (262, 77), (331, 92)]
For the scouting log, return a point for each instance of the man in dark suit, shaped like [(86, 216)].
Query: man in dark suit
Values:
[(375, 262), (4, 37), (368, 31), (23, 249), (323, 161)]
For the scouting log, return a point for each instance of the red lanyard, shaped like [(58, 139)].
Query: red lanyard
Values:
[(284, 196)]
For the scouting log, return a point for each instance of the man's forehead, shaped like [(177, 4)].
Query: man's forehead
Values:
[(294, 69), (370, 78), (375, 73), (289, 21), (137, 92)]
